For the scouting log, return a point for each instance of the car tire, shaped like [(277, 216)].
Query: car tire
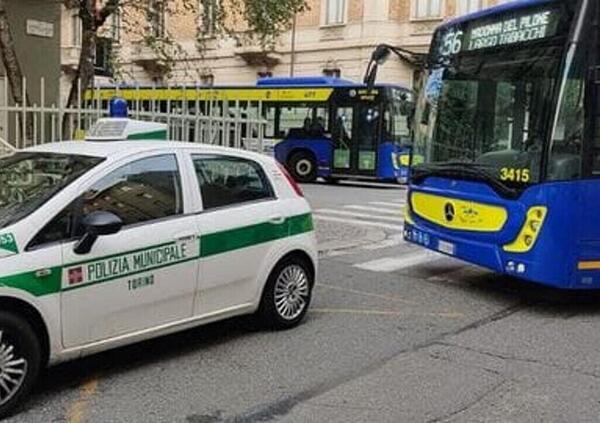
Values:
[(287, 294), (20, 361), (303, 167)]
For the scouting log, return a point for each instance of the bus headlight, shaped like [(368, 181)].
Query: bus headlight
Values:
[(529, 232)]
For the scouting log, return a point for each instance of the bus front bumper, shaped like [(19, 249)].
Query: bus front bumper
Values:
[(489, 256)]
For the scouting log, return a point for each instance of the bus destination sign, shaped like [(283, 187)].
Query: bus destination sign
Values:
[(515, 30), (504, 31)]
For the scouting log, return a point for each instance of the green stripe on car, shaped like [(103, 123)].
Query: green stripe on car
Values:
[(49, 281)]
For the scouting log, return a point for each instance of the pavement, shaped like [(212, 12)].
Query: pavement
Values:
[(395, 334)]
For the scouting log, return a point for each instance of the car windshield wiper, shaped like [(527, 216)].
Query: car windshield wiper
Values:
[(467, 171)]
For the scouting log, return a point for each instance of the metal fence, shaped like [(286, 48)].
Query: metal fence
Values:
[(22, 125)]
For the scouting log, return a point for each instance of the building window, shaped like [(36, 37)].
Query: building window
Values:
[(468, 6), (265, 74), (335, 12), (332, 72), (115, 26), (428, 9), (76, 30), (209, 17), (157, 18), (103, 57)]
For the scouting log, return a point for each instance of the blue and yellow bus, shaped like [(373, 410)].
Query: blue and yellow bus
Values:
[(508, 131), (319, 126), (355, 132)]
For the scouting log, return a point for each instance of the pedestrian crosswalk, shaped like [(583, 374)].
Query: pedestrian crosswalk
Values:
[(389, 217), (386, 215)]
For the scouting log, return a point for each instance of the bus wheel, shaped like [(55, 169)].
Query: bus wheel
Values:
[(303, 167), (20, 361)]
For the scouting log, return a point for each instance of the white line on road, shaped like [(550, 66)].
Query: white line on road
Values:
[(393, 264), (392, 241), (397, 211), (397, 228), (360, 215), (386, 204)]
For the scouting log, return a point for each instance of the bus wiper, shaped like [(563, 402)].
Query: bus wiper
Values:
[(462, 170)]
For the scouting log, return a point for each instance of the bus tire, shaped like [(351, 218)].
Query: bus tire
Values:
[(287, 294), (303, 166), (20, 361)]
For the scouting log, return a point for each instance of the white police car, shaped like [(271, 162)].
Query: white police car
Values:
[(107, 243)]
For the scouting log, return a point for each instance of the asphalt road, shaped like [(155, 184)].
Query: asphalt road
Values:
[(395, 334)]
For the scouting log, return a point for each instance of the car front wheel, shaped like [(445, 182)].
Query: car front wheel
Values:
[(287, 294), (20, 360)]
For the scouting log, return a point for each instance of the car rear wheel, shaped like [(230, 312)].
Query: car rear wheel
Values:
[(287, 294), (303, 167), (20, 361)]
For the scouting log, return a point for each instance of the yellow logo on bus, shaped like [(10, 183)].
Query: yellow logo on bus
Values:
[(458, 214)]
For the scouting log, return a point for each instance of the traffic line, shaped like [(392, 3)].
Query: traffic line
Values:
[(361, 215), (77, 412), (392, 241), (386, 204), (392, 313), (397, 211), (393, 264), (398, 228), (393, 298)]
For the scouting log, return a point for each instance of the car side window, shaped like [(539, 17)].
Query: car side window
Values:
[(227, 181), (141, 191)]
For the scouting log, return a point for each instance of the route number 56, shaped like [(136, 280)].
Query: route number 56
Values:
[(452, 43)]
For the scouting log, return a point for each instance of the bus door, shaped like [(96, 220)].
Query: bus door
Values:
[(355, 139)]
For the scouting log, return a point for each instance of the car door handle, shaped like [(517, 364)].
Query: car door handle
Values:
[(277, 220)]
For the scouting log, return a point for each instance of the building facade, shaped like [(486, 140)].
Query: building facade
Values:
[(333, 37)]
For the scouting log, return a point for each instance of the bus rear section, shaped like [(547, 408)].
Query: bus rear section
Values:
[(506, 128), (357, 133)]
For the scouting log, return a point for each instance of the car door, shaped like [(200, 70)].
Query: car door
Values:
[(240, 220), (146, 274)]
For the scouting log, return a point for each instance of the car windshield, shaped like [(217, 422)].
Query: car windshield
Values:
[(488, 107), (28, 180)]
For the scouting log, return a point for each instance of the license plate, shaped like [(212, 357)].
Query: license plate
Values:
[(447, 248)]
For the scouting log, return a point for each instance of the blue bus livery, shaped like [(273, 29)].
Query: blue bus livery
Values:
[(507, 128)]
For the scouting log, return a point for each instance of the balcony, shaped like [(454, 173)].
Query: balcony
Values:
[(255, 55), (150, 58), (69, 58)]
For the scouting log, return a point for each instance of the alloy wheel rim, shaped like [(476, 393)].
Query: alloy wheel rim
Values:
[(291, 292), (13, 370)]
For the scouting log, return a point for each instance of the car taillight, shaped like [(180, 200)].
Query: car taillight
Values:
[(291, 180)]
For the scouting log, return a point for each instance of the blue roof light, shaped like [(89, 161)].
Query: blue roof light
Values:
[(117, 108)]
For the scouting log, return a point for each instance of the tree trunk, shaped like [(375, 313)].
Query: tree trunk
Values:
[(13, 70), (10, 59), (84, 75)]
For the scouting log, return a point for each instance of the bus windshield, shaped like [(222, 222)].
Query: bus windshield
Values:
[(489, 100)]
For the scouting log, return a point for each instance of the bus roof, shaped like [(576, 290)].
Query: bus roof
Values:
[(496, 10), (273, 82)]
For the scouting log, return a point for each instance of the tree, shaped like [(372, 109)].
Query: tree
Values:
[(265, 19), (10, 59)]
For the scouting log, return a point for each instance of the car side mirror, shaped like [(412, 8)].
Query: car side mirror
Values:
[(97, 224)]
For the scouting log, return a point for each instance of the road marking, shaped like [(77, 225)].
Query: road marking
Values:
[(393, 264), (398, 228), (392, 241), (361, 215), (450, 315), (395, 212), (368, 294), (77, 411), (386, 204)]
